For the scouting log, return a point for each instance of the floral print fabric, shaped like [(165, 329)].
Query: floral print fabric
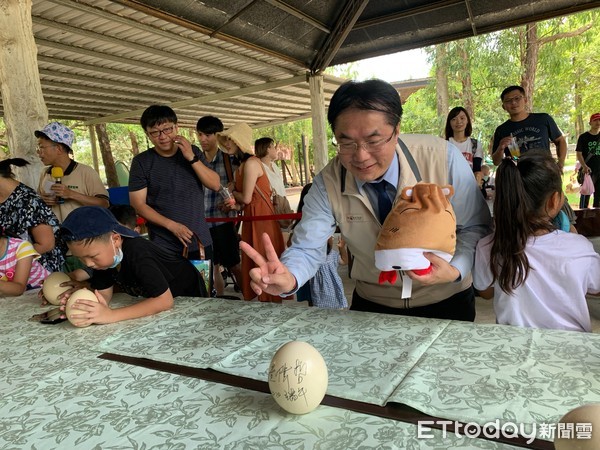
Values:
[(25, 209)]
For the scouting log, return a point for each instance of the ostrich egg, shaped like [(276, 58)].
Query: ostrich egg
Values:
[(52, 286), (298, 377), (579, 429), (81, 294)]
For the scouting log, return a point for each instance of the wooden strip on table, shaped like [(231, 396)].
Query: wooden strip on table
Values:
[(394, 411)]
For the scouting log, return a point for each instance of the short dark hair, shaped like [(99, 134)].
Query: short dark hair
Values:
[(371, 95), (125, 215), (261, 146), (451, 115), (156, 115), (209, 125), (510, 89), (6, 169)]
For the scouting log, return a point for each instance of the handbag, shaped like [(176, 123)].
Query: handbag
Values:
[(279, 205), (587, 187), (581, 173), (202, 265)]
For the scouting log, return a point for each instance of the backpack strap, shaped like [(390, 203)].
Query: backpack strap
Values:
[(411, 161), (474, 145), (227, 163)]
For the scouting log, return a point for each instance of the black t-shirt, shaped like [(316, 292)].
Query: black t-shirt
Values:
[(532, 133), (147, 270), (589, 144)]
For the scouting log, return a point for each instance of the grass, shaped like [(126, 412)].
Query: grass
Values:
[(572, 197)]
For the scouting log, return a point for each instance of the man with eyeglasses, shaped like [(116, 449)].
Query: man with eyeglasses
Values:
[(166, 185), (532, 131), (365, 120), (80, 185)]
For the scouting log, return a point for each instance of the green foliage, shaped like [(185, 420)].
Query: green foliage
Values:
[(494, 63)]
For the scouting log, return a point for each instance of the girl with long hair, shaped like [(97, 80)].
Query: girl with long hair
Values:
[(537, 274)]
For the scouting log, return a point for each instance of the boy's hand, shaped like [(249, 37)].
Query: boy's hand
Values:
[(92, 312)]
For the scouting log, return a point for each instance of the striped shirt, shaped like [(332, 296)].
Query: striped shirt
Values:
[(212, 199), (17, 249), (174, 191)]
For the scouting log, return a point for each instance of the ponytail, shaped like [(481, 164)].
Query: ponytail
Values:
[(5, 166), (522, 192)]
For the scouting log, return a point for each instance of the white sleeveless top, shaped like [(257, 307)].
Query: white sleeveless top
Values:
[(275, 178)]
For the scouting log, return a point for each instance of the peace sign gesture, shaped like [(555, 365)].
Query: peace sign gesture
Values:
[(270, 275)]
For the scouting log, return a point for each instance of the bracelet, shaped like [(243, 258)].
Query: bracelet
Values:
[(195, 159)]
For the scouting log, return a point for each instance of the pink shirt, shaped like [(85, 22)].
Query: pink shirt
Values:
[(17, 249)]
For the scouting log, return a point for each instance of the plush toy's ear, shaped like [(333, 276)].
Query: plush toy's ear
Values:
[(448, 190), (407, 193)]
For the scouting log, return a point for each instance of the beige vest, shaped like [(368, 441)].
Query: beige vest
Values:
[(360, 226)]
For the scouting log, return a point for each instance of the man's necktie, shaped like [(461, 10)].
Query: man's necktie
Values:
[(384, 204)]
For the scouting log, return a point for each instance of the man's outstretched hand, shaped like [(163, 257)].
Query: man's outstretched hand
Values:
[(270, 275)]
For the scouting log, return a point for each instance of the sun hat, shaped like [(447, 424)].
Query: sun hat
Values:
[(91, 221), (595, 116), (240, 133), (57, 132)]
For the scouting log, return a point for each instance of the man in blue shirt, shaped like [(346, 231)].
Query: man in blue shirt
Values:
[(365, 119)]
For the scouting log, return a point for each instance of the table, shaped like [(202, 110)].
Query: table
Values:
[(55, 391)]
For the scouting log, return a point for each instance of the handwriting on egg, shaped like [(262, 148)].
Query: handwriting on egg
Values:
[(290, 377)]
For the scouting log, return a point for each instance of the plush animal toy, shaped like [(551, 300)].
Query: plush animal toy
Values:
[(422, 221)]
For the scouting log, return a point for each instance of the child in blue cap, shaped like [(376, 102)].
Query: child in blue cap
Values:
[(118, 255)]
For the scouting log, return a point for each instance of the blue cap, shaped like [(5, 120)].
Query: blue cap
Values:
[(92, 221)]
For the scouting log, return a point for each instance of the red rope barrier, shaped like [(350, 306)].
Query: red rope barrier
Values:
[(254, 218)]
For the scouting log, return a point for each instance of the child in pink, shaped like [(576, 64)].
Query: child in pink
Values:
[(19, 268)]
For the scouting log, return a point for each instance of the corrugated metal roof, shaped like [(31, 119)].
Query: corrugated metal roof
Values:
[(242, 60)]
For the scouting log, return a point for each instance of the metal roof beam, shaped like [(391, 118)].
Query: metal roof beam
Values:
[(299, 15), (346, 20), (166, 34), (142, 48), (208, 98)]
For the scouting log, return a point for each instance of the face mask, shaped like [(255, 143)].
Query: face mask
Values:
[(486, 177), (118, 257)]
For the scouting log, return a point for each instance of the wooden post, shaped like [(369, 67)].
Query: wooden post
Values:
[(93, 141), (24, 107), (319, 122)]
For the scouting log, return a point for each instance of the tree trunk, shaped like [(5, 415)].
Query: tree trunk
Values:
[(24, 107), (135, 148), (467, 84), (441, 79), (530, 60), (578, 87), (107, 158)]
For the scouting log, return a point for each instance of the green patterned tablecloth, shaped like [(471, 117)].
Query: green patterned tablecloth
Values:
[(476, 373), (367, 354), (455, 370), (56, 393)]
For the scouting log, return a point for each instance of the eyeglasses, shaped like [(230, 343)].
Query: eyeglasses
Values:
[(44, 147), (157, 133), (516, 99), (369, 146)]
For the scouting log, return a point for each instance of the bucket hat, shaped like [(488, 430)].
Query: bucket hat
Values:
[(59, 133), (240, 133)]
